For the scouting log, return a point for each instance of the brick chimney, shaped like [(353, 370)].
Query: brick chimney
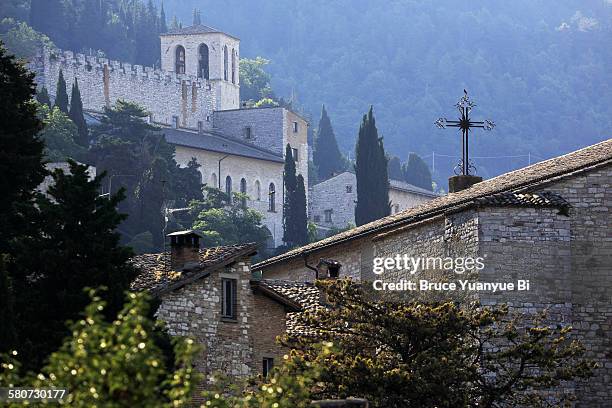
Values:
[(184, 249), (461, 182)]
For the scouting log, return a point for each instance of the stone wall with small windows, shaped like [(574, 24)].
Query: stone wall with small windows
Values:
[(258, 174)]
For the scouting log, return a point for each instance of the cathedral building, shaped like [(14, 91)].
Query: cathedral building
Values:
[(195, 99)]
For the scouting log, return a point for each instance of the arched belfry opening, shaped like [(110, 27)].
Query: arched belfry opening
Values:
[(233, 66), (203, 62), (180, 60)]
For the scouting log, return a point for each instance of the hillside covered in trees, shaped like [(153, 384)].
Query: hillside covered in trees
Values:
[(540, 70)]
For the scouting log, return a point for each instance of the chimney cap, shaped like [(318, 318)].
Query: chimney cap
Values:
[(185, 233)]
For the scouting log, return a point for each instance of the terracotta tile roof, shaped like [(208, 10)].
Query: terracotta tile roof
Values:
[(156, 277), (521, 180), (303, 294)]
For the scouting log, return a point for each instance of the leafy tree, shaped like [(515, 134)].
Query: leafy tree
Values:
[(77, 246), (136, 156), (61, 97), (117, 363), (76, 115), (17, 9), (42, 97), (371, 172), (416, 172), (21, 39), (394, 167), (326, 155), (21, 149), (225, 221), (60, 135), (254, 80), (402, 354)]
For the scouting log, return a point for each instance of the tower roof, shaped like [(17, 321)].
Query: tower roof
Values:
[(194, 29)]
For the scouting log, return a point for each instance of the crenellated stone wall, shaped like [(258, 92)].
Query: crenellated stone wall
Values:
[(102, 82)]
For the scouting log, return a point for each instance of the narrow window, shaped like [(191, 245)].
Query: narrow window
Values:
[(328, 215), (180, 60), (228, 186), (272, 198), (295, 127), (268, 364), (233, 66), (247, 132), (213, 180), (225, 67), (203, 70), (229, 298), (295, 154), (258, 190), (349, 189), (317, 218), (200, 126), (243, 190), (175, 122)]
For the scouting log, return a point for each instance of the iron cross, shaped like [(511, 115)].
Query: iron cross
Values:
[(465, 106)]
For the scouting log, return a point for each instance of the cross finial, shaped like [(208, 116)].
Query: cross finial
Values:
[(465, 106)]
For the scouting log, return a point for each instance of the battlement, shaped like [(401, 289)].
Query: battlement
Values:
[(92, 63)]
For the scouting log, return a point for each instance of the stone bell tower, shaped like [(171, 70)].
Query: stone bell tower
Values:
[(208, 54)]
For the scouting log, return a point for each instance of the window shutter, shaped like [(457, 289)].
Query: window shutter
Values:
[(234, 298)]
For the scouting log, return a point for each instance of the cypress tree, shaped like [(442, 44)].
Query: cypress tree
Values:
[(395, 169), (300, 212), (416, 172), (76, 114), (21, 149), (61, 96), (42, 97), (326, 155), (290, 182), (371, 172), (163, 27)]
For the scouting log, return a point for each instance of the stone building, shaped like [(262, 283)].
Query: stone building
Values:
[(549, 223), (195, 98), (209, 294), (332, 202)]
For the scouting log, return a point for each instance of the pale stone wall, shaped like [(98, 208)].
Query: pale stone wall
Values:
[(102, 82), (253, 171), (228, 92)]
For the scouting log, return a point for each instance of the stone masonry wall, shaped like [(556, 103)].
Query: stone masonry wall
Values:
[(253, 171), (590, 195), (102, 82)]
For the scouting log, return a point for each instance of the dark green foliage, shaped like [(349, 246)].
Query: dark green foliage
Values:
[(300, 212), (18, 9), (50, 18), (42, 97), (137, 157), (225, 221), (394, 167), (163, 27), (326, 154), (61, 96), (76, 115), (398, 353), (77, 246), (8, 334), (371, 172), (254, 80), (60, 135), (21, 150), (21, 39), (416, 172), (295, 230)]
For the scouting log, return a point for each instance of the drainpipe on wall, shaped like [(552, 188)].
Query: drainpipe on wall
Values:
[(316, 271)]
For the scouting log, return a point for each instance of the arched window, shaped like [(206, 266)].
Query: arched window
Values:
[(258, 190), (243, 190), (225, 61), (214, 182), (180, 59), (233, 66), (272, 198), (228, 186), (203, 70)]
